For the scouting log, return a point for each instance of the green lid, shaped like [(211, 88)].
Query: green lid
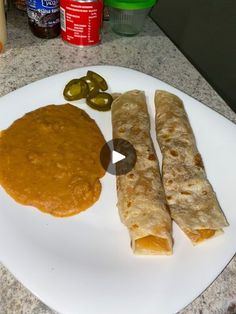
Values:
[(130, 4)]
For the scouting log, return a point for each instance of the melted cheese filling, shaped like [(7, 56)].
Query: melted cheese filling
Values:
[(200, 235), (152, 244)]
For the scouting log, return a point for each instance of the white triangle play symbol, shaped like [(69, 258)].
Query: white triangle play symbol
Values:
[(117, 157)]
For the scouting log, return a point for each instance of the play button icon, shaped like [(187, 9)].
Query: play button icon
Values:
[(118, 156)]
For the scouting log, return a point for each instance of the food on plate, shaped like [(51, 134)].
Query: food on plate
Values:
[(91, 87), (98, 79), (76, 89), (101, 102), (141, 199), (192, 201), (115, 95), (50, 159)]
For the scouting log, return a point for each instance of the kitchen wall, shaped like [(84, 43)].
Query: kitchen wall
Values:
[(205, 31)]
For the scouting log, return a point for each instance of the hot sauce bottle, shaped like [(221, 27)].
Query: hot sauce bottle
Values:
[(44, 18)]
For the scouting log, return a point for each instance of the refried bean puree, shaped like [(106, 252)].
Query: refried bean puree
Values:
[(50, 159)]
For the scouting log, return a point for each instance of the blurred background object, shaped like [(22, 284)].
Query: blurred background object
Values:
[(106, 14), (20, 4), (3, 27), (7, 5), (127, 16), (205, 31)]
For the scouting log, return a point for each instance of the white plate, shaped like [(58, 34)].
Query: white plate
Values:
[(84, 264)]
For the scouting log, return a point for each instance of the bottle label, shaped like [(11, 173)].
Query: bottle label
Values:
[(43, 13), (81, 21)]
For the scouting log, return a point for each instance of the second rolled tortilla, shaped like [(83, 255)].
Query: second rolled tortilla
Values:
[(192, 201), (141, 199)]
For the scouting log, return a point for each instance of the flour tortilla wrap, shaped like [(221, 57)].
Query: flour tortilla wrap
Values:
[(192, 201), (141, 199)]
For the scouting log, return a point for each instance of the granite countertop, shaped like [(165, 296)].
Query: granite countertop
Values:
[(28, 59)]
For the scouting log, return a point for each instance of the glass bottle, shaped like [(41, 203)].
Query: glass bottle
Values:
[(44, 18)]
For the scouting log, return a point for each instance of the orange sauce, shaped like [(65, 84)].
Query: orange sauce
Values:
[(50, 159)]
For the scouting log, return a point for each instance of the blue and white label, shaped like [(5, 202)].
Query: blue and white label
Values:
[(44, 13), (41, 4), (50, 4)]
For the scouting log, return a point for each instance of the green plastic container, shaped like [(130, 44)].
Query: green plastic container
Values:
[(127, 16)]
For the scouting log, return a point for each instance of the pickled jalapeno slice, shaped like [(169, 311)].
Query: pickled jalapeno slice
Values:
[(76, 89), (102, 101), (98, 79), (92, 86)]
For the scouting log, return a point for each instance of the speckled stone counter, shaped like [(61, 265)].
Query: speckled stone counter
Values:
[(28, 59)]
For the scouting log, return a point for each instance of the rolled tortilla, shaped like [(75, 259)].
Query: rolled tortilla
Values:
[(192, 201), (141, 199)]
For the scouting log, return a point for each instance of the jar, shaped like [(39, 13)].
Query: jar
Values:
[(127, 16), (44, 18)]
